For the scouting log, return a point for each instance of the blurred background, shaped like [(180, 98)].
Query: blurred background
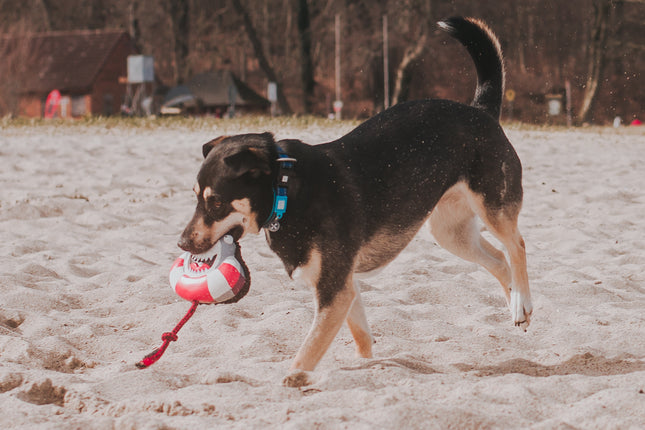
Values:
[(576, 62)]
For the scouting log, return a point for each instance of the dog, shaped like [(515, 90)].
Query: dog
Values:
[(334, 211)]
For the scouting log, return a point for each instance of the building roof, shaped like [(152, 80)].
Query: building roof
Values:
[(68, 61), (218, 88)]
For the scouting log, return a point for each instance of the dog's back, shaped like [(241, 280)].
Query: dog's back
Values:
[(398, 164)]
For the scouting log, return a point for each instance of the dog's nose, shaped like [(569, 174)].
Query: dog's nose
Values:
[(184, 243)]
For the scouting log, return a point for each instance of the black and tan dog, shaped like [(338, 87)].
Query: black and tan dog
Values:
[(353, 204)]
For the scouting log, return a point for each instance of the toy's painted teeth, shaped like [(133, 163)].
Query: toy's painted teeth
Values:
[(206, 260), (199, 266), (205, 256), (202, 259)]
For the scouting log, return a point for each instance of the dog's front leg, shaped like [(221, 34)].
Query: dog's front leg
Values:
[(329, 317), (327, 322)]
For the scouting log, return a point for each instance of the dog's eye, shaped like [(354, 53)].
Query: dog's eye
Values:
[(214, 203), (213, 208)]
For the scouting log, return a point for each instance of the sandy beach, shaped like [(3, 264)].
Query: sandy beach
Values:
[(89, 220)]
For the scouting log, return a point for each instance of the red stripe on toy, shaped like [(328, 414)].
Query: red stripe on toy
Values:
[(233, 277), (178, 262), (194, 289), (239, 284)]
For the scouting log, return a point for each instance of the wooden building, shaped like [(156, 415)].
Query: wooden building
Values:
[(84, 66)]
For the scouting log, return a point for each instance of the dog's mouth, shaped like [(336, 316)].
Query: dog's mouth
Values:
[(198, 264)]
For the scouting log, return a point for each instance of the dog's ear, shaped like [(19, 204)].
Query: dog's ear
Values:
[(209, 145), (253, 160)]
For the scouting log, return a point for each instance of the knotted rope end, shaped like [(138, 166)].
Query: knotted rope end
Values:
[(167, 337)]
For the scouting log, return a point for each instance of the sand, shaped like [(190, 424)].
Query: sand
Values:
[(89, 220)]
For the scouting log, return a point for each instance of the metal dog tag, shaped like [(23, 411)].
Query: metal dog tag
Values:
[(274, 226)]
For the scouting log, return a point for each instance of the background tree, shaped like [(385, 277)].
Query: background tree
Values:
[(416, 17), (259, 53), (597, 56), (306, 64), (178, 13)]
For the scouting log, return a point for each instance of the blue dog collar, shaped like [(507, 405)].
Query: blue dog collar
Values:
[(285, 166)]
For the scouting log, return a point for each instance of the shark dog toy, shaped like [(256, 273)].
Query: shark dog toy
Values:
[(219, 275)]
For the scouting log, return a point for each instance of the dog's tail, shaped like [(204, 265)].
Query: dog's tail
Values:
[(484, 48)]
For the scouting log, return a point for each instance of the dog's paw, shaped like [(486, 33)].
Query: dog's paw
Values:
[(297, 379), (521, 309)]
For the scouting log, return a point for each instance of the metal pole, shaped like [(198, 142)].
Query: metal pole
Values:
[(567, 89), (386, 66), (337, 103)]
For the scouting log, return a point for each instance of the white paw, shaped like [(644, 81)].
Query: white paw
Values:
[(521, 309)]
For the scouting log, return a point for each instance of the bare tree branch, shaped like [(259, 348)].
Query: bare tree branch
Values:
[(306, 65), (178, 13), (597, 57), (412, 53), (259, 53)]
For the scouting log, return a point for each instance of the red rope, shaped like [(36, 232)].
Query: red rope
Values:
[(167, 338)]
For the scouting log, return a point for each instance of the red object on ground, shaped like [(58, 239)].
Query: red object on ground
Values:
[(52, 103), (636, 122)]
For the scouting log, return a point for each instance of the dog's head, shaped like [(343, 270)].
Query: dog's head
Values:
[(234, 190)]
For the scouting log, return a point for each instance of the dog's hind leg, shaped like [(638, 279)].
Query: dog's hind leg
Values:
[(454, 226), (357, 323), (503, 225)]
